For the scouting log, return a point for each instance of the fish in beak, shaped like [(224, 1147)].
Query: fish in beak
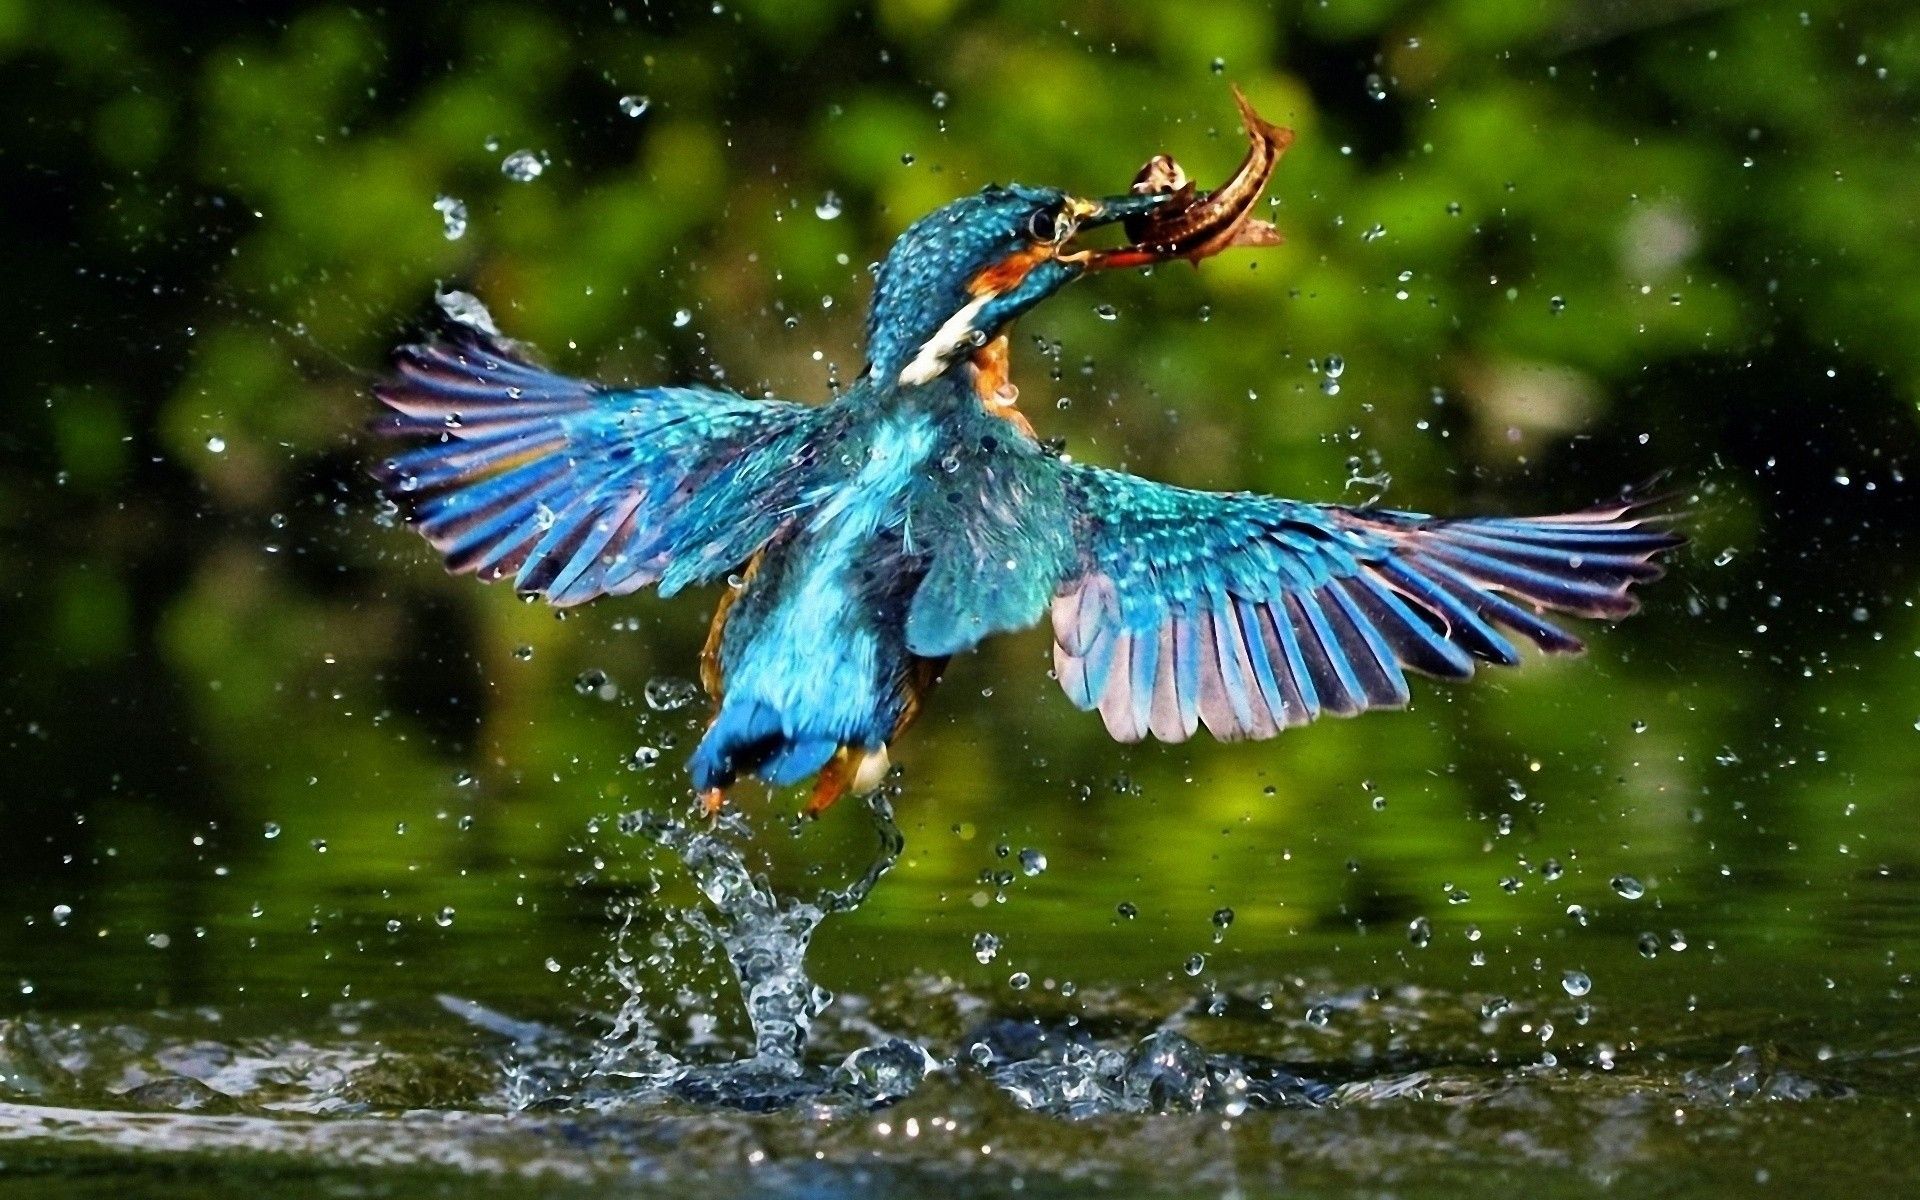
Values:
[(1165, 218)]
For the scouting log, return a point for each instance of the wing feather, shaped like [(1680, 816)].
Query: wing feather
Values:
[(1250, 615), (573, 489)]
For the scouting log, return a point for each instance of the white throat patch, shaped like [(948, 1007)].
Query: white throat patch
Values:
[(940, 349)]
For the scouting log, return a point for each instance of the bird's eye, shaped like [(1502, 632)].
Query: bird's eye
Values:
[(1047, 225)]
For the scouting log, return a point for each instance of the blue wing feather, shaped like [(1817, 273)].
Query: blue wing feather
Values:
[(1250, 614), (573, 489)]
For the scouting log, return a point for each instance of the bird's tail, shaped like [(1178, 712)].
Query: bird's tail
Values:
[(746, 738)]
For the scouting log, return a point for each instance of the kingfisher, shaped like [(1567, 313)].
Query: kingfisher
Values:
[(866, 540)]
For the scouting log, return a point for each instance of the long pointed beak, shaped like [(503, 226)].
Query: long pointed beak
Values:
[(1092, 214)]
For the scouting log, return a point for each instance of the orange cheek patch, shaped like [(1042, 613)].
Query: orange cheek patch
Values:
[(1006, 274)]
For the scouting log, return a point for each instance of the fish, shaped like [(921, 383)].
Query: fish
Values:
[(1196, 225)]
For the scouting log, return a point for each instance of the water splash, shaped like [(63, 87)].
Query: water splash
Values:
[(1055, 1072), (1051, 1065), (764, 938)]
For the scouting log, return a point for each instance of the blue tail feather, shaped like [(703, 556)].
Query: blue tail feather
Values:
[(746, 739)]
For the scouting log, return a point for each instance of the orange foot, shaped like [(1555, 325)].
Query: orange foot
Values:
[(712, 801), (849, 770), (995, 388)]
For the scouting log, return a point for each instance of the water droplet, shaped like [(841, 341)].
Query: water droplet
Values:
[(444, 917), (62, 913), (464, 308), (271, 830), (1649, 945), (523, 652), (216, 445), (1127, 910), (1218, 66), (906, 160), (1628, 888), (1032, 862), (1331, 369), (634, 106), (594, 682), (1019, 981), (1373, 232), (1106, 312), (159, 941), (1556, 305), (940, 100), (986, 947), (828, 208), (1577, 983), (522, 166), (319, 845), (453, 216), (1319, 1015), (1195, 964), (682, 317), (666, 693), (553, 966), (1420, 932)]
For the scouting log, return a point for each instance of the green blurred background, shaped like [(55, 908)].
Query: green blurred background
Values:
[(265, 751)]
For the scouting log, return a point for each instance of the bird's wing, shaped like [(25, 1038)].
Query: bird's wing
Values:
[(1251, 614), (572, 489)]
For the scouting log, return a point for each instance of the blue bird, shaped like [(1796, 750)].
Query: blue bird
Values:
[(867, 540)]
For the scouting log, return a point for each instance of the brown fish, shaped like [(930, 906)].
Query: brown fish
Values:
[(1195, 226)]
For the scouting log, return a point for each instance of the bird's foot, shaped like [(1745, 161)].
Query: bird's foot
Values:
[(712, 801), (849, 770), (995, 389), (829, 786)]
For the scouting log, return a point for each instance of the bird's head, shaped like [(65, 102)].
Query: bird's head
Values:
[(960, 274)]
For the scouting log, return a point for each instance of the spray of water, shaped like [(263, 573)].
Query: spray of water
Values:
[(763, 937)]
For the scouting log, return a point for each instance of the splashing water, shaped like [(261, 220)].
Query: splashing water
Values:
[(1049, 1064), (764, 938)]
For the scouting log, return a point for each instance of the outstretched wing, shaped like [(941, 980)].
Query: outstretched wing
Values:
[(1252, 614), (573, 489)]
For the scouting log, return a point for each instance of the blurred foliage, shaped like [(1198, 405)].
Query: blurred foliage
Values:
[(1558, 247)]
